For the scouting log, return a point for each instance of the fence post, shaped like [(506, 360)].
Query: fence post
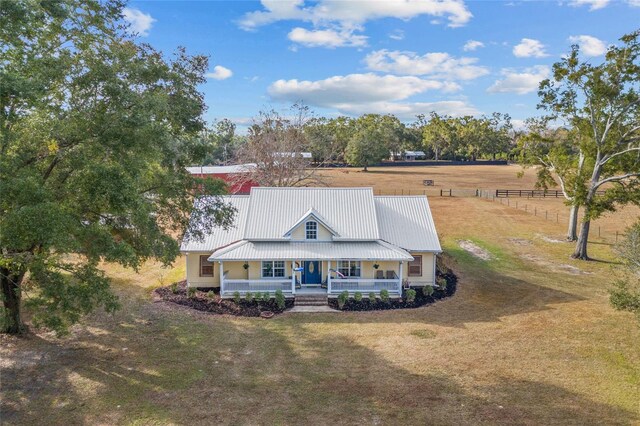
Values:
[(441, 192), (598, 231), (450, 192)]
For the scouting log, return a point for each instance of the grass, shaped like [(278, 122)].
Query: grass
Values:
[(521, 342)]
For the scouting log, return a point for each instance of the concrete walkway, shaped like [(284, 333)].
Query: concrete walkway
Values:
[(313, 309)]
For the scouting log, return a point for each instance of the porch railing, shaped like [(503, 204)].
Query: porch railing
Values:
[(243, 286), (364, 285)]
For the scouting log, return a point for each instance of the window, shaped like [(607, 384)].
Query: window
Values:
[(349, 268), (206, 267), (272, 268), (415, 266), (312, 230)]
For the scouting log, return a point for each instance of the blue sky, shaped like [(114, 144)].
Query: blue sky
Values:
[(401, 57)]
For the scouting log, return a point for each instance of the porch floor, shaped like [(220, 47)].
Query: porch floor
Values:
[(311, 290)]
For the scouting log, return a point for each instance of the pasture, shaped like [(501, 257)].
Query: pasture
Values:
[(529, 338)]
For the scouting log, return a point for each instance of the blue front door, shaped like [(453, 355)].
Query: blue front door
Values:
[(311, 273)]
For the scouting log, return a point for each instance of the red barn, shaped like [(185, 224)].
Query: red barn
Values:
[(228, 174)]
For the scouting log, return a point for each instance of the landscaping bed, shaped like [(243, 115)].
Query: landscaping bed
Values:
[(207, 300), (447, 282)]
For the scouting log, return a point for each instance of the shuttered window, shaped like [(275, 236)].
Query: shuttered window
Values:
[(415, 266), (206, 267)]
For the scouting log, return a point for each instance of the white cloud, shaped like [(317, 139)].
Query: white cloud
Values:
[(399, 34), (408, 111), (529, 47), (354, 12), (472, 45), (520, 83), (634, 3), (354, 89), (436, 65), (589, 45), (326, 38), (593, 4), (219, 73), (140, 22)]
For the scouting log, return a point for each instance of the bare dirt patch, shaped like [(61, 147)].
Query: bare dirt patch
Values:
[(520, 241), (475, 250), (549, 239), (557, 267)]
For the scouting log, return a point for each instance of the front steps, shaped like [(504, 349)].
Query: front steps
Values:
[(311, 300)]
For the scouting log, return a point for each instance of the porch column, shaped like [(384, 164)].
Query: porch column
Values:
[(400, 279), (221, 278), (328, 277), (293, 278)]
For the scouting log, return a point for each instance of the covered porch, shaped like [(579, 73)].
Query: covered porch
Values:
[(330, 277)]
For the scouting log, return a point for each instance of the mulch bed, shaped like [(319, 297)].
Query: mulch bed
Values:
[(216, 305), (442, 272)]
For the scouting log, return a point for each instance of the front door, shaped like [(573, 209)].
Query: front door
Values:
[(311, 273)]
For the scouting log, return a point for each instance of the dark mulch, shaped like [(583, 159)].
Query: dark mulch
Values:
[(216, 305), (442, 272)]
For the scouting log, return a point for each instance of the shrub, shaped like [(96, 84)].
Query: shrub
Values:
[(191, 292), (384, 295), (236, 296), (442, 283), (266, 297), (280, 301), (248, 297), (357, 296), (427, 290), (342, 299), (211, 294), (625, 296), (372, 297), (410, 295), (257, 296), (174, 288)]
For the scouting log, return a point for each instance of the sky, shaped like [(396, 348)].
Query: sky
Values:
[(403, 57)]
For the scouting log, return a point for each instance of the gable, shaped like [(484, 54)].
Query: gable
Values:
[(349, 212)]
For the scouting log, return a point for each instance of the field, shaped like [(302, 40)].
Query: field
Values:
[(529, 338)]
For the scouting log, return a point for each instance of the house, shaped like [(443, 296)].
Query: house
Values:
[(317, 240), (414, 155), (229, 174)]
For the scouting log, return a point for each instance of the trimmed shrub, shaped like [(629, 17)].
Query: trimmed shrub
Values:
[(410, 295), (211, 294), (266, 297), (191, 292), (280, 301), (257, 296), (236, 296), (357, 296), (174, 288), (342, 299), (372, 297), (442, 283), (248, 297), (384, 295), (427, 290)]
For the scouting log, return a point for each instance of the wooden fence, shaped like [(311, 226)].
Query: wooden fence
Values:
[(532, 193)]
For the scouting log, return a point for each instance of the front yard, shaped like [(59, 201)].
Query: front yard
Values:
[(523, 341)]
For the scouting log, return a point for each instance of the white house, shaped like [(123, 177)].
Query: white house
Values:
[(317, 240)]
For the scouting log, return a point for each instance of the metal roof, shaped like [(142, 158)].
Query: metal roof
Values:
[(407, 222), (350, 211), (234, 168), (348, 250), (218, 237)]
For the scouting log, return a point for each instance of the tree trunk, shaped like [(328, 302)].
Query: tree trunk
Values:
[(11, 300), (581, 246), (365, 168), (572, 233), (436, 150)]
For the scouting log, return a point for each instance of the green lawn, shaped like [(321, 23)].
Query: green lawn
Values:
[(525, 340)]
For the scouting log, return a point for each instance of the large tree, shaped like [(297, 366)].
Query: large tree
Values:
[(556, 154), (369, 143), (275, 144), (602, 104), (95, 132)]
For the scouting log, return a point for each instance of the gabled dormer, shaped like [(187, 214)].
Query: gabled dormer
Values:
[(311, 227)]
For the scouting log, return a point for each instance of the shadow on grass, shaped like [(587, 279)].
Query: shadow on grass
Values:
[(177, 369)]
